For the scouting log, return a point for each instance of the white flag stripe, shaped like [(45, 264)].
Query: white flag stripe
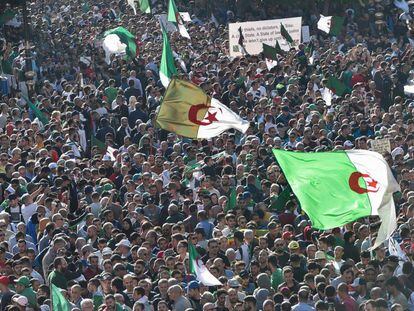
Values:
[(226, 119), (204, 275), (382, 184), (324, 23)]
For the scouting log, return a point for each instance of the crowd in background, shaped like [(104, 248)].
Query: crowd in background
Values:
[(112, 231)]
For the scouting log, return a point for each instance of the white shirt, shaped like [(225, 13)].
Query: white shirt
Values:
[(28, 211)]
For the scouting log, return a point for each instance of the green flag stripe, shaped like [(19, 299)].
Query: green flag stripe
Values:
[(192, 254), (320, 181)]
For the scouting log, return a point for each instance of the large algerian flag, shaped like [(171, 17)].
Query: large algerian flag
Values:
[(119, 41), (59, 302), (331, 24), (336, 188), (186, 110), (174, 17), (198, 268), (167, 67)]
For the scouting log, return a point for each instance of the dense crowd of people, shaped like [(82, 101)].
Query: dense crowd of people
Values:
[(111, 230)]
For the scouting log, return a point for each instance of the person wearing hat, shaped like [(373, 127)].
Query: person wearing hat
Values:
[(124, 247), (21, 302), (361, 294), (6, 293), (193, 290), (23, 288)]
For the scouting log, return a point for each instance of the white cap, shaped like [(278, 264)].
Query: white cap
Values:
[(52, 165), (397, 151), (106, 157), (21, 300), (124, 242), (107, 251)]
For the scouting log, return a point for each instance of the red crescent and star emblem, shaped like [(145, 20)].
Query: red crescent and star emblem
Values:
[(372, 184), (208, 119)]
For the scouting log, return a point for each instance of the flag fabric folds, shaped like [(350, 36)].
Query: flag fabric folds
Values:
[(331, 24), (174, 17), (131, 3), (167, 66), (336, 188), (198, 268), (336, 86), (59, 302), (285, 34), (118, 41), (269, 52), (232, 200), (144, 6), (98, 143), (186, 110)]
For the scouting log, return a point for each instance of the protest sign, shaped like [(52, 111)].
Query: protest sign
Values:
[(381, 145), (259, 32), (305, 34)]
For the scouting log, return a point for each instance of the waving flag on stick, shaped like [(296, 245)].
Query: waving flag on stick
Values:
[(198, 268), (174, 17), (241, 42)]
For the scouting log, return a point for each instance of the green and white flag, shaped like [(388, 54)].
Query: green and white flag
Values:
[(144, 6), (119, 41), (336, 188), (174, 17), (331, 24), (167, 67), (59, 302), (198, 268), (132, 5)]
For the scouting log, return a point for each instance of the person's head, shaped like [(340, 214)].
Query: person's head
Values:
[(60, 264), (393, 285), (87, 305), (193, 290), (174, 292), (343, 291), (381, 304)]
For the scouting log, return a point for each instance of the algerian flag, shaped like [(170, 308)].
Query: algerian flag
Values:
[(98, 143), (270, 53), (59, 301), (132, 5), (167, 67), (111, 152), (331, 24), (285, 34), (174, 17), (144, 6), (336, 86), (119, 41), (198, 268), (336, 188), (187, 111)]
